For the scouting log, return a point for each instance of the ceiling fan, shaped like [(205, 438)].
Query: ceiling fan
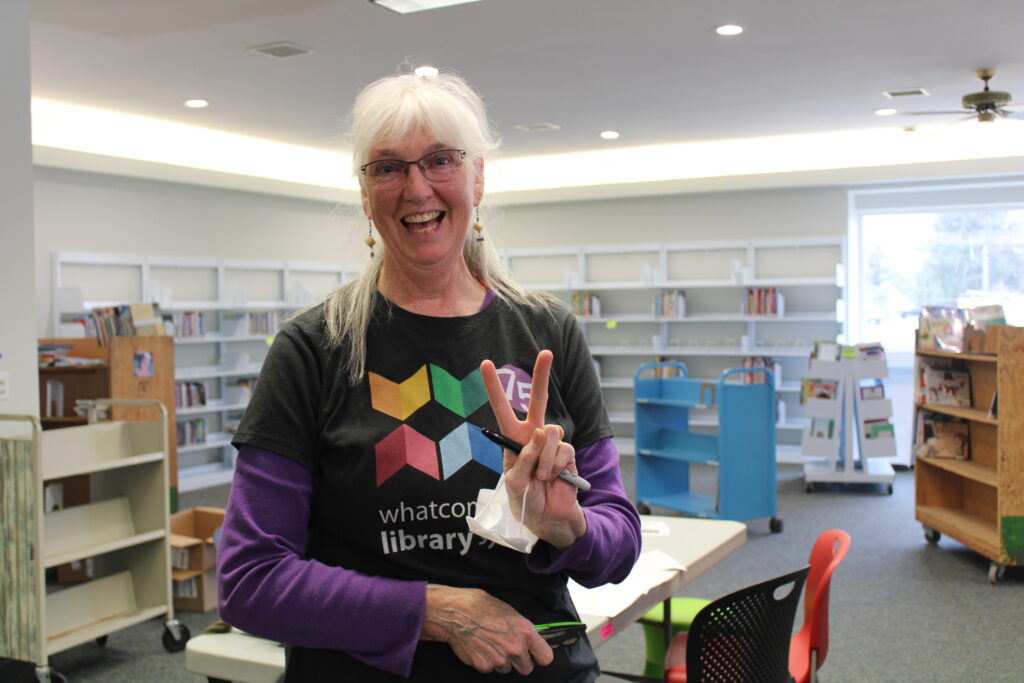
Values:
[(986, 105)]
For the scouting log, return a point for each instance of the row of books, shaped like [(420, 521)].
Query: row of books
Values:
[(128, 320), (948, 328), (670, 304), (831, 351), (189, 394), (191, 431), (188, 324), (760, 362), (586, 304), (939, 436), (763, 301)]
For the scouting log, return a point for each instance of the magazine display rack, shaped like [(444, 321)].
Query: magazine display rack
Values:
[(743, 448), (122, 535), (979, 500), (849, 426)]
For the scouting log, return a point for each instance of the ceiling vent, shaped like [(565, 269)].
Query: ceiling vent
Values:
[(537, 127), (905, 92), (281, 50)]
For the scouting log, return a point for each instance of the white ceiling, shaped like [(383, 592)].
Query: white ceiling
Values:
[(652, 69)]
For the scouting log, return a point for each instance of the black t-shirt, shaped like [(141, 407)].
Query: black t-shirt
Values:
[(398, 460)]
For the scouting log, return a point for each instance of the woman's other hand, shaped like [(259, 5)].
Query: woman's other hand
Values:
[(551, 509), (483, 631)]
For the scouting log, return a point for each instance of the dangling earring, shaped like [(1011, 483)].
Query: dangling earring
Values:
[(478, 226), (369, 238)]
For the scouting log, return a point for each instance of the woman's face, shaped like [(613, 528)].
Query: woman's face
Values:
[(423, 223)]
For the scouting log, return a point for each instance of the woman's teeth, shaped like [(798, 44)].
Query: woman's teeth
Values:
[(420, 223)]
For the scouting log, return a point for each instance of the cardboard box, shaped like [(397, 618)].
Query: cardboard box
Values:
[(192, 538), (194, 591)]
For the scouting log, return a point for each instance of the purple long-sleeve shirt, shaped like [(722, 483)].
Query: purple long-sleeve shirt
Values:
[(267, 588)]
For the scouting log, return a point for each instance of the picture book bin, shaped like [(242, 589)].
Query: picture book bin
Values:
[(743, 449)]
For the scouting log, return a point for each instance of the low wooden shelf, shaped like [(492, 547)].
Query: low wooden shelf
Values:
[(980, 501)]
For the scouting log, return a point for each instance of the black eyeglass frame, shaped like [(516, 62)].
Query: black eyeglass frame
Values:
[(418, 162)]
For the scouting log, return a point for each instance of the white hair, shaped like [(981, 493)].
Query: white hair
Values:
[(450, 110)]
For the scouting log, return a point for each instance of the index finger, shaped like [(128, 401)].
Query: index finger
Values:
[(496, 397), (539, 389)]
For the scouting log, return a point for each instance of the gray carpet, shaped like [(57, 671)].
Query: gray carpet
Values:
[(901, 609)]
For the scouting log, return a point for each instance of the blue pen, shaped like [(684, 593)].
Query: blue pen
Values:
[(508, 444)]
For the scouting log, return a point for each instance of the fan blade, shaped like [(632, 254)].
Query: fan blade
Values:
[(935, 113)]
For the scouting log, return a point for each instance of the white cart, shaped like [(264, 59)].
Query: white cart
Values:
[(844, 454), (122, 533)]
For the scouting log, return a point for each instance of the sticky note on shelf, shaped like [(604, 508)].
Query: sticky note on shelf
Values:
[(612, 324)]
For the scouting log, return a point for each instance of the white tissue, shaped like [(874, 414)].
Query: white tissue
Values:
[(495, 522)]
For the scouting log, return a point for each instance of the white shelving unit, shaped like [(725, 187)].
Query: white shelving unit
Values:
[(846, 456), (714, 334), (123, 533), (232, 296)]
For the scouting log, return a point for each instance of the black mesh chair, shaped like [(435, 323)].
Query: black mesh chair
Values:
[(740, 637)]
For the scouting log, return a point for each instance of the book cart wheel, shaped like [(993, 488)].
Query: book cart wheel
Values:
[(643, 508), (775, 524), (931, 535), (102, 641), (47, 675), (175, 636), (995, 572), (809, 487), (888, 489)]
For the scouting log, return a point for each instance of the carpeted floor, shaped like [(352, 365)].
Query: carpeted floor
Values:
[(901, 609)]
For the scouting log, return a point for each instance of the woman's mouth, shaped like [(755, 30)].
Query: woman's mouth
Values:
[(422, 223)]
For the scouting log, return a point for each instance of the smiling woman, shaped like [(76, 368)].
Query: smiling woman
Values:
[(362, 452)]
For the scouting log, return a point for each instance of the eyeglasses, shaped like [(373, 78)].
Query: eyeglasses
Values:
[(437, 167)]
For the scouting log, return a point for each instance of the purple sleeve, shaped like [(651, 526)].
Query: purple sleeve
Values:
[(266, 587), (608, 550)]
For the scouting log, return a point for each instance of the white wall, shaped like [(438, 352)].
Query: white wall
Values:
[(17, 333), (798, 212)]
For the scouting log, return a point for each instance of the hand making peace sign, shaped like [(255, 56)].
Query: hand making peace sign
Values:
[(551, 511)]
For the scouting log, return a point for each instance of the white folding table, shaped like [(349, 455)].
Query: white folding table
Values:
[(695, 544)]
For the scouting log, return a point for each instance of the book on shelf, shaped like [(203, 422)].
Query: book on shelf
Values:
[(189, 394), (763, 301), (882, 428), (945, 387), (826, 351), (940, 437), (757, 362), (870, 351), (822, 428), (586, 304), (872, 391), (670, 304), (826, 389), (993, 408), (127, 320)]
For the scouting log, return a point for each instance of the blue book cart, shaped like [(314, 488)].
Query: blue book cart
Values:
[(743, 449)]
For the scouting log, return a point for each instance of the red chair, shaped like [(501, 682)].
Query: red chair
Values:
[(809, 646)]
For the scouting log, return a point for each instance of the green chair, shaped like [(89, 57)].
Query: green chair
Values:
[(683, 611)]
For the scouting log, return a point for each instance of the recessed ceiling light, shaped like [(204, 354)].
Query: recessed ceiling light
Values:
[(887, 111), (409, 6), (196, 104), (610, 134), (426, 71), (729, 30), (538, 127)]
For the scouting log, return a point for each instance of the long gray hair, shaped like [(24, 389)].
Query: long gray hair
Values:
[(388, 109)]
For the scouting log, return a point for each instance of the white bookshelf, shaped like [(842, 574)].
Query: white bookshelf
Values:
[(228, 293), (713, 333), (121, 534)]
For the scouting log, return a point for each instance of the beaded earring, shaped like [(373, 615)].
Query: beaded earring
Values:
[(478, 226), (369, 238)]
